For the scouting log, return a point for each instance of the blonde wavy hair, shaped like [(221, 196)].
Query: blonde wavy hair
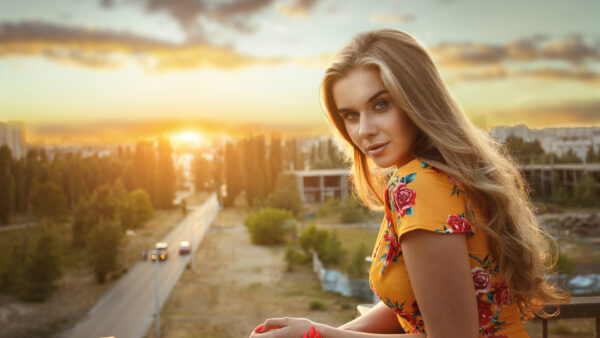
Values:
[(449, 141)]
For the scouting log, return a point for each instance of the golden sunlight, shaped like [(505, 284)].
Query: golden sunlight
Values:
[(190, 138)]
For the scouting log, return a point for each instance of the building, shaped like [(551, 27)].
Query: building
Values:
[(12, 134), (317, 185), (554, 140)]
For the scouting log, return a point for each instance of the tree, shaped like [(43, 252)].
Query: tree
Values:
[(50, 202), (103, 248), (166, 174), (106, 202), (275, 161), (145, 168), (203, 173), (286, 195), (522, 150), (569, 157), (137, 209), (7, 182), (42, 267), (584, 192), (590, 156), (233, 172)]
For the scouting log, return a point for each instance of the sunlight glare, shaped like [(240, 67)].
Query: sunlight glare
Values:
[(188, 138)]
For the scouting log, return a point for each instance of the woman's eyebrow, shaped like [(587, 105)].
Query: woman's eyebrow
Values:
[(376, 95)]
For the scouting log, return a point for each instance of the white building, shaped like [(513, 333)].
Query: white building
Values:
[(557, 140), (12, 134), (317, 185)]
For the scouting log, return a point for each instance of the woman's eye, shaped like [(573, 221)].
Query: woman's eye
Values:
[(381, 104), (350, 116)]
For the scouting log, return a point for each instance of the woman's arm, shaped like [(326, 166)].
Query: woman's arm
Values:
[(379, 319), (440, 273), (299, 327)]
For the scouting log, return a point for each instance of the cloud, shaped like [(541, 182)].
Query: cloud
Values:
[(570, 113), (189, 14), (572, 49), (300, 8), (393, 19), (107, 49), (498, 72), (521, 58)]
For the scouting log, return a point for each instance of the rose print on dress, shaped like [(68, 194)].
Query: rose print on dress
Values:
[(481, 280), (501, 295), (393, 250), (457, 224), (404, 199)]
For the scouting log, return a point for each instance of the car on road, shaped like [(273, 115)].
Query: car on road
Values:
[(161, 251), (185, 248)]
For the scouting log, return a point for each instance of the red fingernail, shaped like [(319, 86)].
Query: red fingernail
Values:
[(259, 328), (312, 332), (305, 335), (318, 334)]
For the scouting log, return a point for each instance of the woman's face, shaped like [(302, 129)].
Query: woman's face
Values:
[(374, 122)]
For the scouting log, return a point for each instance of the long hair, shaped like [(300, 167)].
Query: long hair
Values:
[(449, 141)]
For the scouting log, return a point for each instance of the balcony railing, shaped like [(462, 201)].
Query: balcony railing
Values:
[(578, 307)]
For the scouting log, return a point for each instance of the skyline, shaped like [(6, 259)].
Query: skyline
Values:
[(104, 70)]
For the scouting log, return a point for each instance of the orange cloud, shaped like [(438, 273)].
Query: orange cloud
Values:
[(107, 49), (300, 8), (394, 19)]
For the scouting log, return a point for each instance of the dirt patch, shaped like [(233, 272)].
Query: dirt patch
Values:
[(237, 285)]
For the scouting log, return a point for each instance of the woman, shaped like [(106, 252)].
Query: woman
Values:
[(459, 253)]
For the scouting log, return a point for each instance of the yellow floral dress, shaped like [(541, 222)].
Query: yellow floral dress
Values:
[(419, 196)]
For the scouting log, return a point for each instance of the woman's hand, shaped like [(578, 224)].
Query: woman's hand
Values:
[(286, 327)]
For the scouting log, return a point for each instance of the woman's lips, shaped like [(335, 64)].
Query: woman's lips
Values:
[(376, 149)]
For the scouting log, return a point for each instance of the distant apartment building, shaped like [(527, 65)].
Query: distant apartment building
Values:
[(12, 134), (317, 185), (556, 140)]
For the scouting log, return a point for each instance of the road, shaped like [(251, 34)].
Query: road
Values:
[(127, 309)]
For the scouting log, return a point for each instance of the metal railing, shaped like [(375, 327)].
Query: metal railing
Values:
[(578, 307)]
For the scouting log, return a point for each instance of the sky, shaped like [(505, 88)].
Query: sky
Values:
[(113, 70)]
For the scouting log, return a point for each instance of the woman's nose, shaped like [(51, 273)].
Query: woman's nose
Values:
[(367, 125)]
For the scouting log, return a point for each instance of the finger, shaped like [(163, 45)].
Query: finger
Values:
[(275, 323), (273, 333)]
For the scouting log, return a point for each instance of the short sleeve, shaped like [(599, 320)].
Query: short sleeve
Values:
[(427, 199)]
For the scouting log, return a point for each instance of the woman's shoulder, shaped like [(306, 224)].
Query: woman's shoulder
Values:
[(418, 175)]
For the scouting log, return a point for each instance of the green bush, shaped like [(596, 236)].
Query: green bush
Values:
[(294, 257), (326, 244), (356, 266), (317, 305), (352, 211), (269, 226), (565, 265), (329, 207)]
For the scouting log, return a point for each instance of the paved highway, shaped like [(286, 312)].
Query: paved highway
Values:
[(127, 309)]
